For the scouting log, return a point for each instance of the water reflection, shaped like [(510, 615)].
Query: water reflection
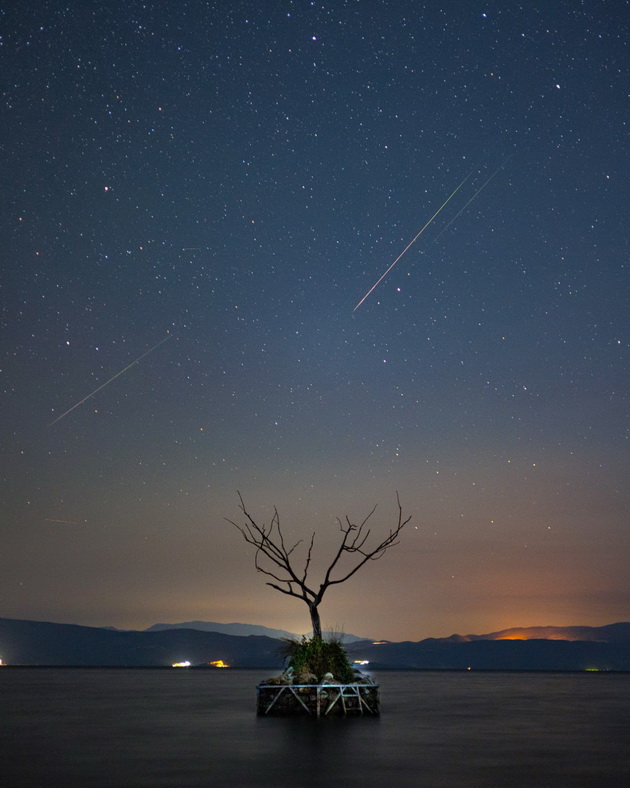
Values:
[(176, 728)]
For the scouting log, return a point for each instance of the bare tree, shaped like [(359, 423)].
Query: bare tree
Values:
[(274, 559)]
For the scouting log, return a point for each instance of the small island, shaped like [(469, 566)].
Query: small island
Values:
[(319, 679)]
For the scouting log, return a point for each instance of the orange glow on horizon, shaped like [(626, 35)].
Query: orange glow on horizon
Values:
[(530, 636)]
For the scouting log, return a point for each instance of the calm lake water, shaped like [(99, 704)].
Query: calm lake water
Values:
[(107, 727)]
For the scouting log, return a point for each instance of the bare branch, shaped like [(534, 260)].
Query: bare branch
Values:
[(371, 555), (344, 547), (270, 542), (289, 591), (308, 558)]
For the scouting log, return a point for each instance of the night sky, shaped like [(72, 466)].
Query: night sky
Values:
[(232, 178)]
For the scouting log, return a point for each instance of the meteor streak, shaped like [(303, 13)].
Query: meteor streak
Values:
[(439, 210), (414, 239), (107, 382), (67, 522), (480, 189)]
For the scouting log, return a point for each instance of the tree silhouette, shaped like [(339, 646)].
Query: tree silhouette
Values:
[(274, 559)]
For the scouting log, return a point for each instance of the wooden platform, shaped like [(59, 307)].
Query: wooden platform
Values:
[(317, 700)]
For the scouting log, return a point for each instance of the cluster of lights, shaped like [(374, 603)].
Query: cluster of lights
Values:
[(218, 663)]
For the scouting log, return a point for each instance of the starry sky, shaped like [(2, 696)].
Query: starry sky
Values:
[(196, 195)]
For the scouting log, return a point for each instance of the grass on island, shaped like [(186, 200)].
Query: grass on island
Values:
[(311, 659)]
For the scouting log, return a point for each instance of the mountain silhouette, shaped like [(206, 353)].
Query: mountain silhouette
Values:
[(567, 648)]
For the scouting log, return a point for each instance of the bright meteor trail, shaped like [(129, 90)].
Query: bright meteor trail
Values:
[(107, 382), (414, 239)]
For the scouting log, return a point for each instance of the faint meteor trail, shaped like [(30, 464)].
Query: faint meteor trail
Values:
[(480, 189), (66, 522), (414, 239), (444, 204), (107, 382)]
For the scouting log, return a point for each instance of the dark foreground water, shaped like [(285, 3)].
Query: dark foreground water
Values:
[(104, 727)]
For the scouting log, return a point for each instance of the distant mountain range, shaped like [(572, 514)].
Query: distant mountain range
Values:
[(240, 630), (613, 633), (243, 630), (42, 643), (531, 648)]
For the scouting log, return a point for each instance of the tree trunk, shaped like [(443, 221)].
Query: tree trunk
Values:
[(315, 622)]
